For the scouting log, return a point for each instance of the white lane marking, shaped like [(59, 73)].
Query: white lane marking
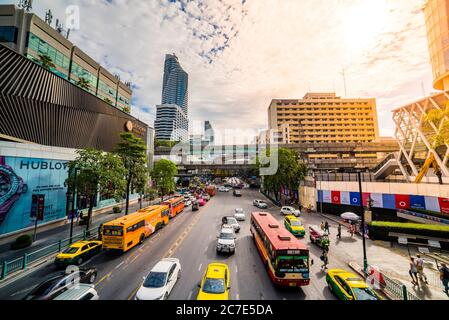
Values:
[(237, 297), (190, 295), (199, 269), (21, 291), (119, 265), (205, 250), (236, 269)]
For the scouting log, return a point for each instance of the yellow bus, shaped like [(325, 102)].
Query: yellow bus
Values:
[(126, 232)]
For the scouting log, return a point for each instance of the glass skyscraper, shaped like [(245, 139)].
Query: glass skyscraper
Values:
[(175, 89), (172, 122)]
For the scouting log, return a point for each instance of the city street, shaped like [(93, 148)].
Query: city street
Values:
[(191, 237)]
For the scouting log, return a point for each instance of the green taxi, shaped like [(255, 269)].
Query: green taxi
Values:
[(295, 226)]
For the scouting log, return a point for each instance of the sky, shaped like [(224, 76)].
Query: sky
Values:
[(241, 54)]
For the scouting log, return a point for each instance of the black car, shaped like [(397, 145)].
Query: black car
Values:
[(53, 287), (195, 205), (237, 193)]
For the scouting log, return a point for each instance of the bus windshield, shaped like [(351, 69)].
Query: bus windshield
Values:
[(112, 231), (292, 264)]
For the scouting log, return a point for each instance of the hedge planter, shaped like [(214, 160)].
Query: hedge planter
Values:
[(380, 230), (22, 242), (116, 210)]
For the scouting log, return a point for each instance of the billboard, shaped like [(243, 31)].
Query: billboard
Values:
[(24, 183)]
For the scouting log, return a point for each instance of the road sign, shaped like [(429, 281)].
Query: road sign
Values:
[(424, 250), (435, 244)]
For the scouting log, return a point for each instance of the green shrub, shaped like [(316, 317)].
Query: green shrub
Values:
[(22, 242), (415, 226), (116, 209)]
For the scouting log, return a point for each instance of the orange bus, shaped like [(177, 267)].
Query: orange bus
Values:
[(211, 190), (176, 206), (126, 232), (285, 257)]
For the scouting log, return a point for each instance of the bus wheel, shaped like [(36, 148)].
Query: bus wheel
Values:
[(142, 238)]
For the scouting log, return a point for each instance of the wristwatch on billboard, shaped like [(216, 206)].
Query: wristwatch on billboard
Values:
[(11, 187)]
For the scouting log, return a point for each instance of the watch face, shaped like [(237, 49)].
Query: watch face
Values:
[(11, 187)]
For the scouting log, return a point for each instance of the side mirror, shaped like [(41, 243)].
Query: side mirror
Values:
[(143, 278), (199, 285)]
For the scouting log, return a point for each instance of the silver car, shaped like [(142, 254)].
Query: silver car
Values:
[(239, 214), (231, 221)]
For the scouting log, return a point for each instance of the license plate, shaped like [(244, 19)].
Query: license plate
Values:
[(292, 284)]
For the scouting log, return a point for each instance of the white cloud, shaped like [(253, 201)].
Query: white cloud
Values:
[(239, 57)]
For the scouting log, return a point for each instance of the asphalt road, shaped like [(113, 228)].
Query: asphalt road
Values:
[(191, 237)]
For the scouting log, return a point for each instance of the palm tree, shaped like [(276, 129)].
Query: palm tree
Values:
[(127, 109), (83, 83), (46, 62)]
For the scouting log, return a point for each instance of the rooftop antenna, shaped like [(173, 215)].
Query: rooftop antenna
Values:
[(27, 5), (343, 73), (48, 17)]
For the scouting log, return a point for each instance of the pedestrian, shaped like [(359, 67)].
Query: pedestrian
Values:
[(352, 229), (339, 231), (420, 266), (413, 271), (325, 259), (326, 227), (322, 225), (444, 276)]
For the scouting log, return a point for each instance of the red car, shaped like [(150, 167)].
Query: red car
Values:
[(202, 202)]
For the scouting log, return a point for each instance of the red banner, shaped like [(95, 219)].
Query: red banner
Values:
[(365, 196), (336, 197), (402, 201), (444, 205)]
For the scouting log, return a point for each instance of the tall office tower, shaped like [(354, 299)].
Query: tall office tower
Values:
[(171, 123), (324, 118), (437, 22), (209, 132), (175, 89)]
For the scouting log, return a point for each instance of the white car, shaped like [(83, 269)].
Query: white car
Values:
[(188, 203), (79, 292), (287, 211), (239, 214), (226, 240), (160, 281), (231, 221), (221, 189), (260, 204)]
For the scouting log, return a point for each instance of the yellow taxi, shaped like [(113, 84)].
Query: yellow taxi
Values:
[(78, 252), (295, 226), (348, 286), (215, 284)]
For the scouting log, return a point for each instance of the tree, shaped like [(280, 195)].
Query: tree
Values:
[(127, 109), (164, 173), (46, 62), (291, 171), (83, 83), (97, 170), (133, 152)]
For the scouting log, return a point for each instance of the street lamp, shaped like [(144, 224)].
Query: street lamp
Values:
[(365, 259), (71, 200)]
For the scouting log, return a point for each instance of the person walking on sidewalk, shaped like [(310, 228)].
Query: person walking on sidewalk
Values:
[(420, 266), (326, 227), (325, 259), (339, 231), (444, 276), (322, 225), (413, 271)]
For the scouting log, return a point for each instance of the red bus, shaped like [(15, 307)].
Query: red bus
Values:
[(211, 190), (285, 257), (176, 206)]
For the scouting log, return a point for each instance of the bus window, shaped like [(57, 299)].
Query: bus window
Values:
[(112, 231)]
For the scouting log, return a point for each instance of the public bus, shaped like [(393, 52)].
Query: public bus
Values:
[(285, 257), (176, 206), (211, 190), (126, 232)]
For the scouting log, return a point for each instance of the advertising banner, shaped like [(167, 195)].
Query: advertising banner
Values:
[(25, 179), (444, 205), (345, 198), (355, 198), (378, 201), (335, 197), (366, 197), (417, 202), (327, 196), (389, 201), (432, 204), (402, 201)]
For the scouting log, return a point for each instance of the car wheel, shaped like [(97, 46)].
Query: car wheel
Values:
[(79, 261), (166, 296), (142, 238), (92, 278), (331, 289)]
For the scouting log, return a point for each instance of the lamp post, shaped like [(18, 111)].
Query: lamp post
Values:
[(71, 201), (365, 259)]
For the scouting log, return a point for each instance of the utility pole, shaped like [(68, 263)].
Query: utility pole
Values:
[(365, 260)]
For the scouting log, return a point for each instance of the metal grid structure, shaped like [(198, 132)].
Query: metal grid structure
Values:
[(414, 135)]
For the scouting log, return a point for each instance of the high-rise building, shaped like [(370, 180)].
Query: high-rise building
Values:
[(171, 123), (324, 118), (437, 22), (172, 120), (175, 89), (209, 132), (29, 35)]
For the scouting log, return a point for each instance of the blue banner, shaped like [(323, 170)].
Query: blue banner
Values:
[(389, 201), (355, 198), (418, 202)]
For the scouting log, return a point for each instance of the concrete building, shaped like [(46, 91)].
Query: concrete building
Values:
[(324, 118), (209, 132), (437, 21), (171, 123), (32, 37)]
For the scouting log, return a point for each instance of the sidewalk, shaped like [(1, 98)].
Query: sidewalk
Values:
[(393, 262), (48, 237)]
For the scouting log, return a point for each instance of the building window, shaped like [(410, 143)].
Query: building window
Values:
[(8, 34)]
